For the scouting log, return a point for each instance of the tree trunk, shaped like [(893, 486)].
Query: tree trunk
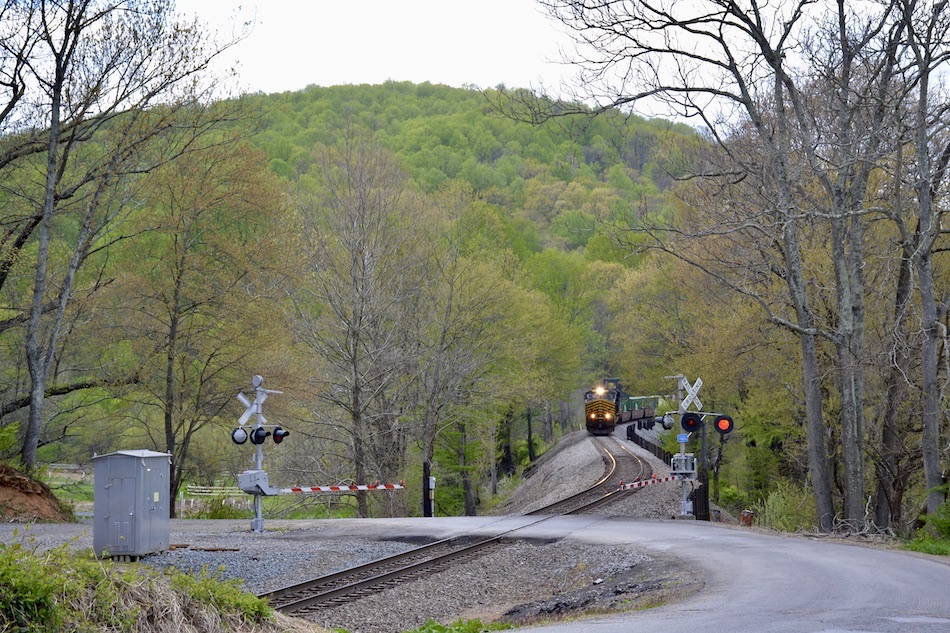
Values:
[(815, 431), (847, 255), (507, 461), (928, 230), (811, 373), (890, 488), (548, 422), (359, 449), (468, 490), (531, 454), (35, 354), (930, 437)]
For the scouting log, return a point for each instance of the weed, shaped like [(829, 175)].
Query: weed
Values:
[(934, 538), (788, 508), (222, 595)]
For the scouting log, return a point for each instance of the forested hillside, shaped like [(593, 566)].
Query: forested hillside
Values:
[(427, 280)]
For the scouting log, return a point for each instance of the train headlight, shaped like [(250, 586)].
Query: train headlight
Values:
[(607, 416)]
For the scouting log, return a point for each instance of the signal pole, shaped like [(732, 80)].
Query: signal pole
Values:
[(254, 482)]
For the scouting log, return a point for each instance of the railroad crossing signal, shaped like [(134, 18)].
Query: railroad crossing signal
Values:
[(239, 436), (258, 435), (723, 423), (691, 421), (255, 481)]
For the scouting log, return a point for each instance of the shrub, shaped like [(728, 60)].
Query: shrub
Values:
[(732, 499), (28, 596), (939, 521), (218, 508), (934, 538), (59, 590), (789, 508), (228, 596)]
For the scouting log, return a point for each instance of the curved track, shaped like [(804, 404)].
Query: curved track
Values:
[(620, 465)]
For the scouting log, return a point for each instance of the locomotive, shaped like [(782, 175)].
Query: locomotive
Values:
[(600, 410), (607, 405)]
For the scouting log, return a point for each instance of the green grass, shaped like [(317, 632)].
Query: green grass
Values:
[(934, 538), (62, 590), (930, 545)]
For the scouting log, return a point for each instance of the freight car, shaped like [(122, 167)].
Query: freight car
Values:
[(632, 408)]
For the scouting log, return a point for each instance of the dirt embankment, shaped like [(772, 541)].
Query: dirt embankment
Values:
[(26, 500)]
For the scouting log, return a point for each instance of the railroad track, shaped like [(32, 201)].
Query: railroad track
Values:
[(363, 581)]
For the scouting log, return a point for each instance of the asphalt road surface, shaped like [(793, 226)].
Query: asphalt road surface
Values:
[(754, 581)]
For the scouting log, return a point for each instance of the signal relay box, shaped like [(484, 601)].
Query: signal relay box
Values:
[(683, 464)]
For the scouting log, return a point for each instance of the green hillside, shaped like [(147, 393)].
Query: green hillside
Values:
[(561, 177)]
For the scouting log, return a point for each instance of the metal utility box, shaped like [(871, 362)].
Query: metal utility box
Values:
[(131, 504), (683, 465)]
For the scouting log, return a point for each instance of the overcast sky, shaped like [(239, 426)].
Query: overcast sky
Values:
[(296, 43)]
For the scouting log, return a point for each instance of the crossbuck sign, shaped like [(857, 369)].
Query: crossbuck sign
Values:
[(692, 393)]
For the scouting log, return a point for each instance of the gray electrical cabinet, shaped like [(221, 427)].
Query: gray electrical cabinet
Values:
[(131, 504)]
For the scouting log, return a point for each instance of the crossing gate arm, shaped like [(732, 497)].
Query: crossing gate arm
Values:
[(650, 482), (299, 489)]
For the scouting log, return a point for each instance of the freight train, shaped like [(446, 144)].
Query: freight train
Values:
[(607, 405)]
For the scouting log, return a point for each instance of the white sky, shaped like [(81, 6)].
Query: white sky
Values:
[(296, 43)]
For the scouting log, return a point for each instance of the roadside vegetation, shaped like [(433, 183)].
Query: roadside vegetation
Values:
[(935, 537), (61, 590)]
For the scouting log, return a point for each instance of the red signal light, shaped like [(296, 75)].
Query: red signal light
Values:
[(691, 421), (279, 435), (723, 424)]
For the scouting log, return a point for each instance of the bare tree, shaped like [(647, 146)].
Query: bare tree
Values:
[(927, 29), (361, 279)]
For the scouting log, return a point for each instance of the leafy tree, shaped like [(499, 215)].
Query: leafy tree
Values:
[(190, 292), (803, 135), (93, 93)]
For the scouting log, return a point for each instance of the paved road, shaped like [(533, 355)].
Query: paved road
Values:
[(755, 582)]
